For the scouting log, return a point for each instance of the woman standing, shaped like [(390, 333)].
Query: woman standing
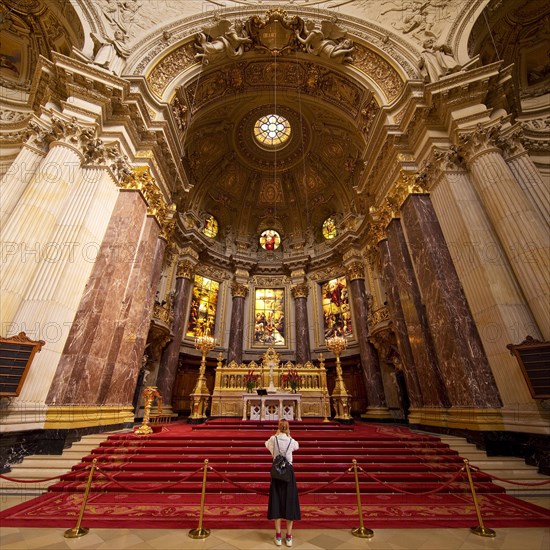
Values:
[(283, 496)]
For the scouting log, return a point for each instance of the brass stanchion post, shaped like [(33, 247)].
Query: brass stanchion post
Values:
[(360, 531), (325, 412), (480, 529), (199, 532), (78, 531)]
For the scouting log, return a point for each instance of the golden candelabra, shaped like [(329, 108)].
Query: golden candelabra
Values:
[(200, 394), (340, 395), (149, 394)]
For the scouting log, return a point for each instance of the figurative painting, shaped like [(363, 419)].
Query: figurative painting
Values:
[(202, 317), (210, 228), (270, 239), (269, 317), (336, 308)]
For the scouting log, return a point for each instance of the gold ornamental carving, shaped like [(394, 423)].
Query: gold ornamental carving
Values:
[(380, 70), (170, 67), (185, 270), (142, 180), (239, 290), (300, 291), (356, 270)]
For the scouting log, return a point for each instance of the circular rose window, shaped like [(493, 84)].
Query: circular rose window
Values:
[(272, 130)]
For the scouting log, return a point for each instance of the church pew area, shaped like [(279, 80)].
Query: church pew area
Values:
[(406, 480)]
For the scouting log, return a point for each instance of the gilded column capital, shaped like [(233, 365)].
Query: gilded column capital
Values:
[(239, 290), (141, 180), (406, 184), (356, 270), (185, 270), (300, 291), (478, 141)]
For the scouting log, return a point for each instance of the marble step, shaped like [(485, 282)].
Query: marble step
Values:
[(508, 468), (37, 467)]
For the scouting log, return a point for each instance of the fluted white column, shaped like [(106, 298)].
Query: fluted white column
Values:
[(497, 306), (523, 235), (15, 180), (27, 236), (55, 292), (530, 180)]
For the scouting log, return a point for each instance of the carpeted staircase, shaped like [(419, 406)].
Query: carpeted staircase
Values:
[(405, 479)]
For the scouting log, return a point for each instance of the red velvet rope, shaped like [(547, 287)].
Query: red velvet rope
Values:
[(337, 478), (239, 485), (397, 490), (249, 490), (536, 484), (30, 480), (148, 489)]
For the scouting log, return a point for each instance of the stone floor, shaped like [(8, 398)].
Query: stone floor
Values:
[(12, 538)]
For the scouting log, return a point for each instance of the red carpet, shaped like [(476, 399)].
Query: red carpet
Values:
[(406, 481)]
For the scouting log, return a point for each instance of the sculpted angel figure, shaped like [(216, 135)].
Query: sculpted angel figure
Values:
[(222, 40), (322, 42)]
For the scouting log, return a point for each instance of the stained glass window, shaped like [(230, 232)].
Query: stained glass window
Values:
[(203, 307), (210, 228), (270, 239), (329, 228), (272, 130), (269, 317), (336, 308)]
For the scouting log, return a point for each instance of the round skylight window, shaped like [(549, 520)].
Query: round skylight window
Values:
[(272, 130)]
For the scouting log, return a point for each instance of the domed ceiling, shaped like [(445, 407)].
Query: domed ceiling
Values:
[(249, 186)]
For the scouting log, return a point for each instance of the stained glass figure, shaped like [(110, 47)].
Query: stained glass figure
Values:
[(336, 308), (203, 307), (210, 228), (269, 316), (270, 239), (329, 228)]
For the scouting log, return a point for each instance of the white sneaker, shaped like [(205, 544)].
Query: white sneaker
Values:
[(288, 541), (278, 541)]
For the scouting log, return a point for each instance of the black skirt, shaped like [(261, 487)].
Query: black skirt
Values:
[(283, 499)]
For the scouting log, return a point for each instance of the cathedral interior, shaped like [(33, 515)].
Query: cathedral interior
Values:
[(276, 176)]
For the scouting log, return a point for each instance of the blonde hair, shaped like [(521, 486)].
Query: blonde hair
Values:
[(283, 427)]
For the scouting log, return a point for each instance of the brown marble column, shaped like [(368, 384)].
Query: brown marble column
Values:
[(125, 356), (85, 357), (369, 358), (300, 293), (522, 232), (236, 333), (464, 367), (405, 294), (185, 273), (399, 326)]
